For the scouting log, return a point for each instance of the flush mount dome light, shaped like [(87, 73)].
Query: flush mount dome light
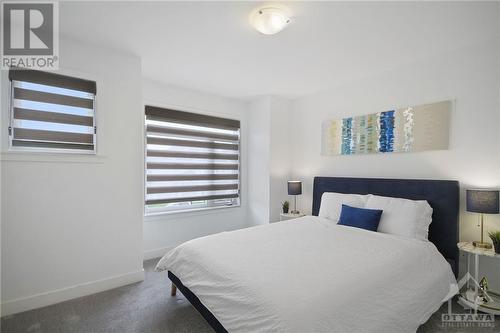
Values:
[(270, 20)]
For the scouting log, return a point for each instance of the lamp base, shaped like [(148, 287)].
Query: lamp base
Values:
[(482, 245)]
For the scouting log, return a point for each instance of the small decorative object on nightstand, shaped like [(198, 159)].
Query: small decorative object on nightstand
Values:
[(482, 202), (289, 216), (495, 238), (285, 206), (294, 188)]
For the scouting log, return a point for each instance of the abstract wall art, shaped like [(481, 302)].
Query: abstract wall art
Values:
[(410, 129)]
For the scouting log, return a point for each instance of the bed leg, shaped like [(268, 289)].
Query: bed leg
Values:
[(173, 290)]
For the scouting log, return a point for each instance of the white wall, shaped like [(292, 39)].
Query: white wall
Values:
[(72, 225), (162, 232), (469, 76), (280, 167), (259, 156), (269, 157)]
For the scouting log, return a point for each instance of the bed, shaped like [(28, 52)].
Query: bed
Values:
[(310, 275)]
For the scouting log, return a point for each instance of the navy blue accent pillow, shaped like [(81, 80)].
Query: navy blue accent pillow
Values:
[(360, 217)]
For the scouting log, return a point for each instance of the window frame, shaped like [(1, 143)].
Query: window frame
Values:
[(153, 215), (47, 150)]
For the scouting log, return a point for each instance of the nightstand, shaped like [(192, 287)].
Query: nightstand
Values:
[(470, 298), (289, 216)]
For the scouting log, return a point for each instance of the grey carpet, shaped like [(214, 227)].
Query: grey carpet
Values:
[(141, 307)]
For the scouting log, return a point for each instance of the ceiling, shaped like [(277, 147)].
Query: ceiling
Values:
[(210, 46)]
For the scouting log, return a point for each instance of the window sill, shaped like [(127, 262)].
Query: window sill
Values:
[(162, 216), (15, 156)]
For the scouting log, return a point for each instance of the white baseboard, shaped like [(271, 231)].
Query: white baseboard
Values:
[(64, 294), (156, 253)]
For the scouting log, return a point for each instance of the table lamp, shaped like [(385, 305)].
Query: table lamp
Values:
[(482, 202), (294, 188)]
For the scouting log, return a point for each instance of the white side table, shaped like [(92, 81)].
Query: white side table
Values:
[(289, 216), (492, 307)]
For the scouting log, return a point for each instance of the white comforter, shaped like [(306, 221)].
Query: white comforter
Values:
[(311, 275)]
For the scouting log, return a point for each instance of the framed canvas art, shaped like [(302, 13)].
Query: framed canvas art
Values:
[(410, 129)]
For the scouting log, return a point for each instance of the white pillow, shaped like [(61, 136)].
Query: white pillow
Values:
[(331, 204), (404, 217)]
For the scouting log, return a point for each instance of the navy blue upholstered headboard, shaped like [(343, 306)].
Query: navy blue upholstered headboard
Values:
[(442, 195)]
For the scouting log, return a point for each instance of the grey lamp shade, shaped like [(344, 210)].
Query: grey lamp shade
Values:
[(482, 201), (294, 187)]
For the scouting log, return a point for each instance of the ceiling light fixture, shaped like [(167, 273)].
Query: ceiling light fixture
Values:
[(270, 20)]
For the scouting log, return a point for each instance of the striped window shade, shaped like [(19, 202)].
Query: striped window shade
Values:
[(51, 112), (192, 161)]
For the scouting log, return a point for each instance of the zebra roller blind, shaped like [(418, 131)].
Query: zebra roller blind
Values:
[(51, 112), (192, 161)]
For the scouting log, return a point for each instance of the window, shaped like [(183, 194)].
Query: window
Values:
[(192, 161), (51, 112)]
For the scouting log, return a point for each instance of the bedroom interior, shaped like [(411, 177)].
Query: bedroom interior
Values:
[(250, 166)]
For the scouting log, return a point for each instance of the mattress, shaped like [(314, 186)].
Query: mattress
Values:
[(311, 275)]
